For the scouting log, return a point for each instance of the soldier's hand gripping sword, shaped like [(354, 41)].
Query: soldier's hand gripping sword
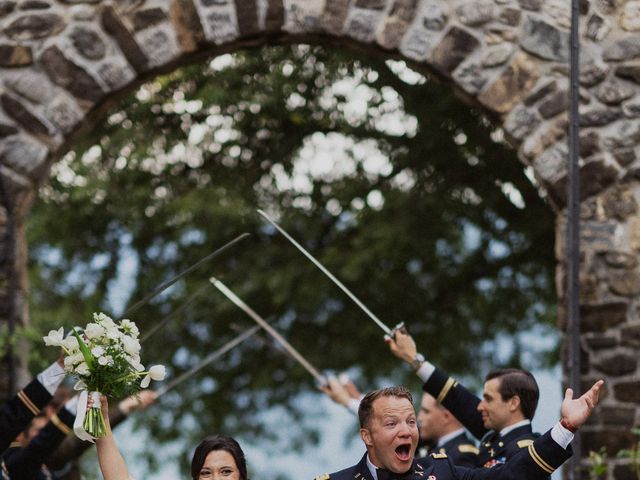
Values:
[(270, 330), (388, 332)]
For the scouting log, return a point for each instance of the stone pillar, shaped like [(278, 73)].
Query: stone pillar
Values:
[(610, 323)]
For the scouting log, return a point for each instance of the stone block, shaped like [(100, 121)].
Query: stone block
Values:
[(629, 71), (624, 472), (497, 55), (631, 109), (70, 76), (362, 26), (630, 336), (619, 203), (617, 364), (148, 17), (521, 122), (512, 84), (623, 49), (371, 4), (64, 114), (34, 5), (630, 18), (603, 316), (601, 342), (540, 92), (35, 26), (6, 7), (533, 5), (88, 43), (627, 391), (247, 15), (15, 56), (598, 117), (614, 93), (626, 136), (557, 103), (613, 439), (476, 13), (592, 74), (589, 144), (7, 130), (334, 16), (624, 156), (625, 283), (471, 77), (510, 16), (186, 22), (618, 259), (544, 40), (114, 25), (24, 156), (456, 45), (22, 115), (433, 17), (621, 416)]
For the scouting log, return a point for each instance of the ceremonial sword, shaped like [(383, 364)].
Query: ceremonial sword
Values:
[(260, 321), (379, 322), (208, 359), (173, 280)]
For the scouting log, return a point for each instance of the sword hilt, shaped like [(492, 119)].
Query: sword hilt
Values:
[(400, 327)]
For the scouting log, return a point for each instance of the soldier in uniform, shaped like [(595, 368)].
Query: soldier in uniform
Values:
[(501, 419), (444, 434), (25, 459), (439, 430), (389, 431), (16, 414)]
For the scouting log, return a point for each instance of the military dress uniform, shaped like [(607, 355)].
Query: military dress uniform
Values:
[(493, 448), (16, 414), (460, 450), (536, 462), (28, 463)]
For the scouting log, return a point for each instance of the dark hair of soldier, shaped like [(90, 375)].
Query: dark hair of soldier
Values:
[(218, 442), (365, 411), (518, 382)]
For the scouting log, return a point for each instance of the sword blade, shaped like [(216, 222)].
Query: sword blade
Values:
[(213, 356), (260, 321), (173, 280), (152, 331), (357, 301)]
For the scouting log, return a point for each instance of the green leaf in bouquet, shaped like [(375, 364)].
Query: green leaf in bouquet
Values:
[(84, 350)]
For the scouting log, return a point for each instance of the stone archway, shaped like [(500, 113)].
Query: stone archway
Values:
[(64, 61)]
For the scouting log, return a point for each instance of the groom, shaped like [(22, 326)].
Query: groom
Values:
[(389, 431)]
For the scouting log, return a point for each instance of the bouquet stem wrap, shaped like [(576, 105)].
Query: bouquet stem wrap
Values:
[(89, 424)]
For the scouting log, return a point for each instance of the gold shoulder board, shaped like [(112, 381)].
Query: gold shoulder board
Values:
[(468, 448), (324, 476), (438, 456), (524, 443)]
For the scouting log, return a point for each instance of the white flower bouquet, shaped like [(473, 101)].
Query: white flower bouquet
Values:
[(105, 358)]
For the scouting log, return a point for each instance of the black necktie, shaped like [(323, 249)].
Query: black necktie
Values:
[(384, 474)]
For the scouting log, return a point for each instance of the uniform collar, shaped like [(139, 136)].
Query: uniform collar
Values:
[(513, 426), (449, 436), (372, 468)]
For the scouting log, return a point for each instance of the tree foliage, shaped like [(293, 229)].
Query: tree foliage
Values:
[(406, 194)]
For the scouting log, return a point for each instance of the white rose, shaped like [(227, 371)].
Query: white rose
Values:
[(97, 352), (71, 343), (130, 327), (106, 360), (157, 372), (83, 369), (55, 338), (94, 330), (131, 345)]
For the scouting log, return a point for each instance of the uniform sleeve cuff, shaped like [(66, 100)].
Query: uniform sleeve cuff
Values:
[(561, 435), (51, 377), (425, 371)]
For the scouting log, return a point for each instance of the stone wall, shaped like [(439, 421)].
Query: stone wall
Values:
[(63, 61)]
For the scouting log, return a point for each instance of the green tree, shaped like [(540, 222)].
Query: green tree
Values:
[(401, 190)]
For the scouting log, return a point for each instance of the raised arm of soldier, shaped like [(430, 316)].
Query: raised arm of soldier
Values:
[(343, 393)]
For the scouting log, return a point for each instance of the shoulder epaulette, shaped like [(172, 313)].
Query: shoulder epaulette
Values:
[(438, 456), (524, 443), (324, 476), (468, 448)]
